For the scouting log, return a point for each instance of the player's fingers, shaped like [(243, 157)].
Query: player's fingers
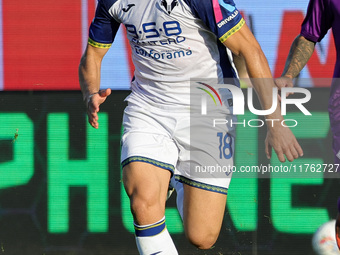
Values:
[(94, 105), (95, 124), (93, 116), (279, 97), (298, 148), (92, 113), (289, 93), (283, 82), (104, 92), (268, 149), (279, 82), (108, 92), (280, 155), (291, 154), (93, 121), (293, 149), (288, 83), (102, 95)]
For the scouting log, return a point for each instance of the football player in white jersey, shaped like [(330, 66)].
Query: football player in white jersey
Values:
[(173, 42)]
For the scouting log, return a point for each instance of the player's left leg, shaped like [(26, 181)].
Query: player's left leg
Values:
[(203, 213), (337, 227)]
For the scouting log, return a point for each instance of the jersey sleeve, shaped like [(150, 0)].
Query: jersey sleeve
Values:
[(221, 16), (318, 20), (104, 27)]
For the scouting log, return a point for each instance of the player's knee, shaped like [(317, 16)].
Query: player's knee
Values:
[(202, 241), (143, 204)]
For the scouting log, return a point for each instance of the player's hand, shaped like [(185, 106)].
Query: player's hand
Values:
[(284, 82), (284, 143), (93, 102)]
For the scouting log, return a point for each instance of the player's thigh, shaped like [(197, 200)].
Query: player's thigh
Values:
[(139, 177), (203, 215), (147, 186)]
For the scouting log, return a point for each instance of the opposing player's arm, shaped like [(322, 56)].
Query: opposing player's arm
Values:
[(299, 54), (89, 80), (280, 138)]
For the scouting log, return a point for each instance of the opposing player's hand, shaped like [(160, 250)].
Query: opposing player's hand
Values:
[(284, 82), (284, 143), (93, 102)]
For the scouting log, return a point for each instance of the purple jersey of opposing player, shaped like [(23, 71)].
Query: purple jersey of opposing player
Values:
[(321, 16)]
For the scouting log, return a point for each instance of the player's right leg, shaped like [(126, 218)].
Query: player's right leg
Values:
[(147, 186), (148, 157)]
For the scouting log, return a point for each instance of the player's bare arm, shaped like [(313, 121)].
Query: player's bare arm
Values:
[(280, 138), (299, 54), (89, 79)]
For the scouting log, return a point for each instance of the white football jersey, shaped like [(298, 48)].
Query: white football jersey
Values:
[(172, 42)]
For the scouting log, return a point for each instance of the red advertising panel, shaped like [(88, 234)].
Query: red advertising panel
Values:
[(42, 44)]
